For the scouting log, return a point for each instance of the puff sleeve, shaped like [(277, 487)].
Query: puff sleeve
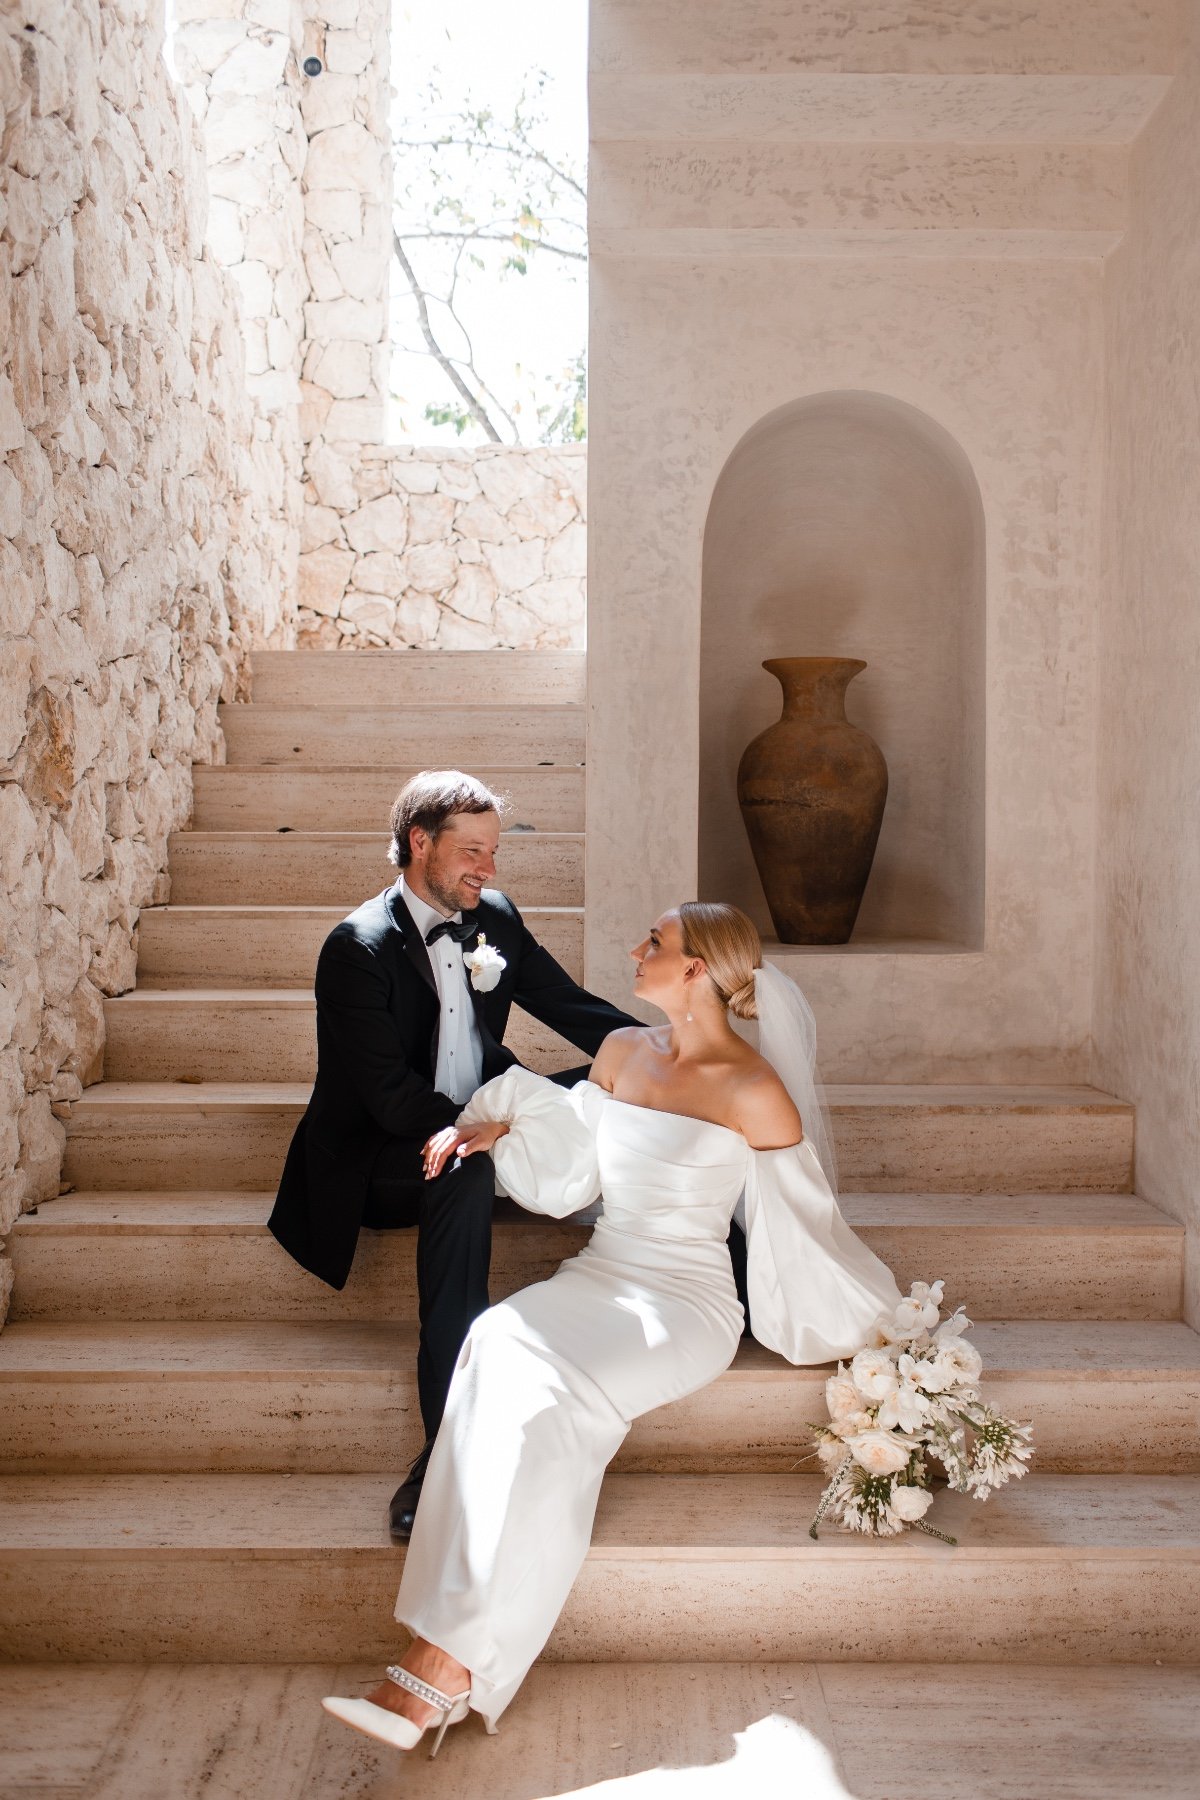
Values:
[(547, 1160), (814, 1288)]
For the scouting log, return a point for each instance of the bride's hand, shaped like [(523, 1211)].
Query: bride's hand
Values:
[(459, 1140)]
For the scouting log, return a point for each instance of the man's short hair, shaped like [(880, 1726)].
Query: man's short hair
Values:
[(431, 798)]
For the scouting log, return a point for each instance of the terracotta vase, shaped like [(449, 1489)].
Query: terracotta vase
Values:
[(812, 789)]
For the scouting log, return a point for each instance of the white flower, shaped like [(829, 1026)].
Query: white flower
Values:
[(880, 1452), (910, 1503), (957, 1362), (873, 1373), (841, 1395), (921, 1311), (486, 965), (850, 1424), (831, 1455), (907, 1406), (953, 1327)]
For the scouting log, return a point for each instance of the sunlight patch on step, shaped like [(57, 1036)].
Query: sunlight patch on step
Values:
[(773, 1759)]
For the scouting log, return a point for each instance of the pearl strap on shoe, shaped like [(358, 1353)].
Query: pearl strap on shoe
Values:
[(414, 1685)]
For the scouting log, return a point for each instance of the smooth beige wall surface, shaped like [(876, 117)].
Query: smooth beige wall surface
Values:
[(849, 525), (1147, 1018), (688, 354)]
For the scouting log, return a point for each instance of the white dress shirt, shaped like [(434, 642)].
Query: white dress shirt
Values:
[(459, 1068)]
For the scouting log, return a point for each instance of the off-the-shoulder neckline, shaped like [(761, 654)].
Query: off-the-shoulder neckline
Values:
[(691, 1119)]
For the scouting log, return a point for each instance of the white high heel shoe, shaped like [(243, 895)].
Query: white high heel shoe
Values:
[(392, 1728)]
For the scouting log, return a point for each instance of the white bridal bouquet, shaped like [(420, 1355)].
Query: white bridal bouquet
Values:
[(911, 1397)]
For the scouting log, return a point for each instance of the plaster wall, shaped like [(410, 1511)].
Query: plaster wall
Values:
[(133, 575), (847, 525), (933, 197), (1006, 357), (1147, 988)]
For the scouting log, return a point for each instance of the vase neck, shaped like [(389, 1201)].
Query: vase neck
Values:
[(814, 687)]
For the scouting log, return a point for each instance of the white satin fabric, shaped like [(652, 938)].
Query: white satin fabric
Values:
[(549, 1380)]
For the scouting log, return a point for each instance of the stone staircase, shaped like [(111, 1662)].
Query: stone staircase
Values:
[(200, 1439)]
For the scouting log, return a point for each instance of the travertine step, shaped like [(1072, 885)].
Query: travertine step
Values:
[(121, 1398), (687, 1731), (434, 737), (209, 1256), (256, 1034), (277, 946), (229, 797), (198, 1568), (419, 677), (889, 1139), (331, 868)]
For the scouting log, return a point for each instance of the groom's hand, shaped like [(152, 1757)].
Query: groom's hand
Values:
[(459, 1140)]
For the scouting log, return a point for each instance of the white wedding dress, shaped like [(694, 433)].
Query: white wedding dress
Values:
[(548, 1381)]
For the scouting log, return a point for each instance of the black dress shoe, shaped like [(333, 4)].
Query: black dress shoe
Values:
[(403, 1509)]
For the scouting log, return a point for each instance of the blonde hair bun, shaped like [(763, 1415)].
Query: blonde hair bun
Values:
[(742, 1003), (729, 944)]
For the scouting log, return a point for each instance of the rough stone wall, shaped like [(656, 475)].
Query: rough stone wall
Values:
[(444, 549), (237, 62), (397, 547), (132, 572), (347, 214)]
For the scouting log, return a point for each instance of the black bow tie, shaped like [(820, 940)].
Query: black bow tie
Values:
[(459, 929)]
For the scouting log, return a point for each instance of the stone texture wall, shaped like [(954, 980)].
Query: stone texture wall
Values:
[(444, 549), (347, 221), (397, 547), (132, 568), (238, 66)]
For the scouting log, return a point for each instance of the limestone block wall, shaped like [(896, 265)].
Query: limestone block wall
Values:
[(444, 549), (347, 185), (239, 69), (382, 546), (132, 570), (1147, 978)]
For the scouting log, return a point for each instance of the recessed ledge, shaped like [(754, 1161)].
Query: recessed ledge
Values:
[(781, 954), (701, 244)]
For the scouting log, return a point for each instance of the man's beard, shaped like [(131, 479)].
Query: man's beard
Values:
[(446, 896)]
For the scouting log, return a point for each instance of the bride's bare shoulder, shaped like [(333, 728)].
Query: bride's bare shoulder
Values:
[(616, 1051), (764, 1111)]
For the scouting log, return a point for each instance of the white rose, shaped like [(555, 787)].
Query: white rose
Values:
[(957, 1361), (841, 1395), (873, 1373), (879, 1452), (910, 1503), (850, 1424)]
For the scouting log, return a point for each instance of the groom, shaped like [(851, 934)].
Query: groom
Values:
[(409, 1023)]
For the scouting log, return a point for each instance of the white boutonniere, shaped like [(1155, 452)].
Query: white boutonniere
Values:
[(486, 965)]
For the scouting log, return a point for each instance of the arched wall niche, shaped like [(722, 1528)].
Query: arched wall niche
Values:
[(851, 524)]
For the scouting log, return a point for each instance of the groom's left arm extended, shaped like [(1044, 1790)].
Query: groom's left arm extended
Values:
[(545, 990)]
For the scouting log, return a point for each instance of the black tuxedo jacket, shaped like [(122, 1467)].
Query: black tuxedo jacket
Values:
[(377, 1027)]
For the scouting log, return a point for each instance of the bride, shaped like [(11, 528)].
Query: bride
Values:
[(678, 1126)]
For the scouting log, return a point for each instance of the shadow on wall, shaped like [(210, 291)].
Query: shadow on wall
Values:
[(851, 524)]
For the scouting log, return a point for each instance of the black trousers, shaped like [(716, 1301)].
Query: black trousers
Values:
[(453, 1217), (737, 1256)]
